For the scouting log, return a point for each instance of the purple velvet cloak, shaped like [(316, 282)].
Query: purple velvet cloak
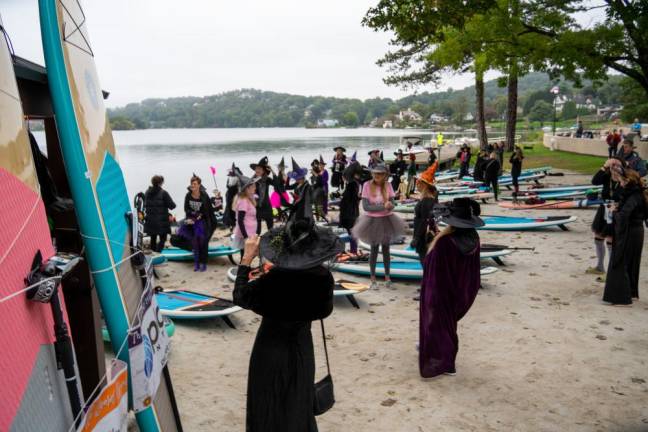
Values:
[(450, 283)]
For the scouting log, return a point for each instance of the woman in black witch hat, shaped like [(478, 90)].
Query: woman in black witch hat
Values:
[(302, 205), (339, 164), (450, 283), (264, 208), (297, 290)]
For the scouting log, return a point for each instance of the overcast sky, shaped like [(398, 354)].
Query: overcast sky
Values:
[(162, 48)]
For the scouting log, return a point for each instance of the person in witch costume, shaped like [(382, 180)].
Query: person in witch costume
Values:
[(297, 290), (281, 183), (425, 228), (317, 189), (229, 217), (397, 169), (325, 182), (374, 158), (200, 222), (264, 208), (350, 202), (302, 205), (629, 217), (450, 283), (338, 167)]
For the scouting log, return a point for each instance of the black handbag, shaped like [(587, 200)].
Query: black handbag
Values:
[(324, 396)]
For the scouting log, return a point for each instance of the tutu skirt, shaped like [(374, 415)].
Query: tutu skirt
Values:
[(378, 230)]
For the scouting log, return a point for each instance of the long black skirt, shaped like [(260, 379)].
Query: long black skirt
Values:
[(622, 281), (281, 379)]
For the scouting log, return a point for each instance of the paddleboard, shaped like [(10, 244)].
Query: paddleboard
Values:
[(34, 394), (410, 253), (97, 184), (191, 305), (177, 254), (504, 180), (547, 196), (555, 205), (542, 190), (398, 269), (342, 288), (510, 223), (169, 326), (157, 259)]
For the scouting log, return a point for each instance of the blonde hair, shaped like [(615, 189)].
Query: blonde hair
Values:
[(383, 190), (446, 231), (634, 179), (243, 195)]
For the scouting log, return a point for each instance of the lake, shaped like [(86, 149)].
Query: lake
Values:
[(177, 153)]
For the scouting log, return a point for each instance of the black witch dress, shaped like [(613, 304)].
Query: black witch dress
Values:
[(281, 376), (622, 281)]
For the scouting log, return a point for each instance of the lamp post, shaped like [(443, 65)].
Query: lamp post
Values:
[(555, 90)]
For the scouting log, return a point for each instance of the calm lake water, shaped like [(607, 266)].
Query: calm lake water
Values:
[(177, 153)]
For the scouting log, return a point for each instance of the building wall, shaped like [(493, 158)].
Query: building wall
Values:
[(594, 147)]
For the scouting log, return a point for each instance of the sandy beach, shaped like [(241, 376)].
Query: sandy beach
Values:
[(539, 351)]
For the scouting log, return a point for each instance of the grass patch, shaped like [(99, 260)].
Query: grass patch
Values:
[(542, 156)]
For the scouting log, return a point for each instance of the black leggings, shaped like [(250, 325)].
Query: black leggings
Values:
[(268, 220), (157, 246), (373, 258), (493, 185)]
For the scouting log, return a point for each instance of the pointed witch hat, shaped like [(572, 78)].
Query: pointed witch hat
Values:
[(297, 171), (427, 176), (245, 181), (281, 165), (232, 171), (262, 163), (354, 157), (321, 160)]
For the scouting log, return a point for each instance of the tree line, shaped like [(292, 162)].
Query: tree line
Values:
[(515, 37), (257, 108)]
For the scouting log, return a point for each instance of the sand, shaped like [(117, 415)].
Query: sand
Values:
[(538, 350)]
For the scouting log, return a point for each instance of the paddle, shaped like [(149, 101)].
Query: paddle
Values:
[(495, 247)]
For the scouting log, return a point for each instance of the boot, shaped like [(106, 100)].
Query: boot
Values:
[(203, 267)]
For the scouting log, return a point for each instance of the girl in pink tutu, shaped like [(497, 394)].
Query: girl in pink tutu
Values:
[(247, 224), (378, 225)]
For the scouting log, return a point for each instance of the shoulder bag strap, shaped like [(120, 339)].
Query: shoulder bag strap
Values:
[(328, 367)]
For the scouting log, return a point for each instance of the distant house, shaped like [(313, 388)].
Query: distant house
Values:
[(559, 102), (408, 114), (606, 111), (374, 122), (585, 103), (469, 117), (327, 123), (388, 124), (438, 118)]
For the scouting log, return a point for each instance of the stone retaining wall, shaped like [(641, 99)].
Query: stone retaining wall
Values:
[(593, 147)]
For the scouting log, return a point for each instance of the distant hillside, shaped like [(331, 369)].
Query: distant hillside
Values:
[(257, 108)]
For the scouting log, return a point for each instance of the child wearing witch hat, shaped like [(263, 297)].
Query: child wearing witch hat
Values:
[(264, 208), (424, 223)]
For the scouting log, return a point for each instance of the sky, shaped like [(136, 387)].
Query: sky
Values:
[(166, 48)]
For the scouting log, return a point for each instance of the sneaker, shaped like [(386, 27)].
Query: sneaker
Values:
[(388, 284), (594, 271), (450, 373), (600, 279), (373, 285)]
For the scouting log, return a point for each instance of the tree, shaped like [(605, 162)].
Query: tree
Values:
[(121, 123), (541, 111), (350, 119), (618, 42), (543, 94), (634, 102), (569, 110)]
